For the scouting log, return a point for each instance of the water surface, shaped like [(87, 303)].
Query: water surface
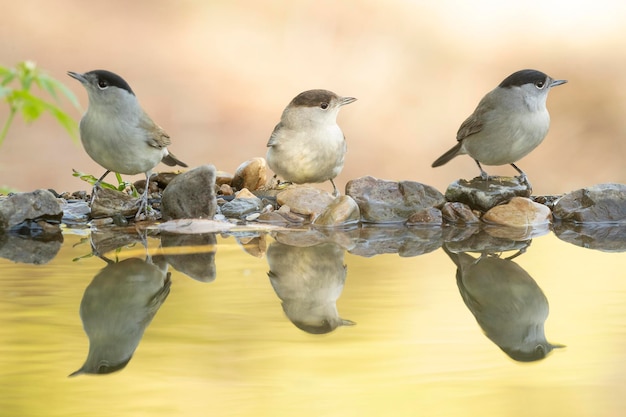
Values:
[(386, 335)]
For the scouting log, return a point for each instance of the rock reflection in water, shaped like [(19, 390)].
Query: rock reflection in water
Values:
[(506, 301), (309, 280), (117, 307)]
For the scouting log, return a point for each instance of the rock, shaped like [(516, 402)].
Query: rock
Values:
[(596, 204), (226, 189), (305, 200), (245, 193), (519, 212), (383, 201), (406, 242), (109, 203), (222, 178), (482, 194), (240, 207), (457, 213), (252, 175), (33, 206), (341, 212), (603, 237), (75, 212), (254, 245), (191, 195), (428, 216), (197, 265)]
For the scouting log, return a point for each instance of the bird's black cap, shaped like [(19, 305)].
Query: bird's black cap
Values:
[(111, 79), (519, 78)]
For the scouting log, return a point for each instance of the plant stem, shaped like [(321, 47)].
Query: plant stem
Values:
[(5, 128)]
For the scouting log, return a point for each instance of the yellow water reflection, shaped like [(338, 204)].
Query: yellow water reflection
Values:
[(226, 348)]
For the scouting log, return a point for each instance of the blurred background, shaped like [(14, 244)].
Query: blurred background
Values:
[(216, 76)]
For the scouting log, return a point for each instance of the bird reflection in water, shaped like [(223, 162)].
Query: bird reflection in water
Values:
[(117, 307), (309, 280), (506, 301)]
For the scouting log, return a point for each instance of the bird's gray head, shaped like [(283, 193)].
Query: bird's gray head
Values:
[(104, 87), (530, 77), (315, 106)]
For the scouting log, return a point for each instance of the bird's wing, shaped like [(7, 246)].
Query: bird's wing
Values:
[(470, 126), (155, 135), (475, 122), (273, 141)]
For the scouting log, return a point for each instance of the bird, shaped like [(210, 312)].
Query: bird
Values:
[(309, 280), (307, 145), (506, 302), (508, 123), (118, 134), (117, 307)]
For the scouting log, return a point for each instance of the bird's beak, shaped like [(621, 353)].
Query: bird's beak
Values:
[(554, 83), (346, 322), (346, 100), (78, 76)]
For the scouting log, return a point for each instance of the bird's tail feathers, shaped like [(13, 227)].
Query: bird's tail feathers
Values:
[(172, 161), (446, 157)]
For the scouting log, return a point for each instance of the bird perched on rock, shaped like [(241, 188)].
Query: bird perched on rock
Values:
[(117, 133), (307, 145), (508, 123)]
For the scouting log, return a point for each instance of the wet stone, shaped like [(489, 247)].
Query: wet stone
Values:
[(518, 212), (251, 174), (458, 213), (109, 203), (482, 194), (240, 207), (191, 195), (383, 201), (342, 211), (596, 204), (429, 215), (32, 206), (305, 200)]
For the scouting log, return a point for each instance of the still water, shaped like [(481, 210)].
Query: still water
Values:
[(256, 324)]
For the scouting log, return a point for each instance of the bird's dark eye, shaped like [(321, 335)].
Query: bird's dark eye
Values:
[(102, 84), (540, 84), (324, 106)]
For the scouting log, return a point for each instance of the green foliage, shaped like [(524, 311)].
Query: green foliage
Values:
[(121, 184), (15, 89)]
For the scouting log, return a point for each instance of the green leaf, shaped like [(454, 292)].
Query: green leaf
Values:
[(92, 180), (52, 85)]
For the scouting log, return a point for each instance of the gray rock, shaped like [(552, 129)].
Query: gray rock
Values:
[(341, 212), (602, 203), (406, 242), (252, 175), (191, 195), (458, 213), (239, 207), (75, 212), (33, 206), (482, 194), (383, 201), (602, 237)]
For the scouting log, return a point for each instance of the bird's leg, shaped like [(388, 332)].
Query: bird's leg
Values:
[(335, 191), (143, 204), (483, 174), (96, 186), (522, 177)]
